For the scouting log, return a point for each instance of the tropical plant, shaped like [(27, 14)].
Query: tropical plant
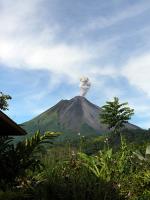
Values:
[(17, 159), (100, 165), (116, 114)]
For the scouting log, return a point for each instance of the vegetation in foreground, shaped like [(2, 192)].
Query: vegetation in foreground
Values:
[(116, 170), (69, 173)]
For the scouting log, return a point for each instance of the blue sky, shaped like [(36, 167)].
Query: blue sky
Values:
[(47, 45)]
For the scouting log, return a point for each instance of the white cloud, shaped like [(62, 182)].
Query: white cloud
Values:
[(23, 47), (137, 71)]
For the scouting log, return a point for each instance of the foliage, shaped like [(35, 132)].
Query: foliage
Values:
[(130, 178), (116, 114), (17, 159), (106, 175), (101, 164), (66, 171), (67, 178), (3, 101)]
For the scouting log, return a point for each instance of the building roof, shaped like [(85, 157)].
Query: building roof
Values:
[(9, 127)]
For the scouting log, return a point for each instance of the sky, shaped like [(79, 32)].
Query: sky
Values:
[(47, 45)]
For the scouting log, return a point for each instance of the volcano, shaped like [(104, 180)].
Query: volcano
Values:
[(70, 116)]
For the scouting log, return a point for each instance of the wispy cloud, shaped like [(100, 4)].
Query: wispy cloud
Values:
[(25, 45), (107, 21)]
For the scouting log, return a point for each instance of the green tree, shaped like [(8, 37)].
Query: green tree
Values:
[(3, 101), (116, 114)]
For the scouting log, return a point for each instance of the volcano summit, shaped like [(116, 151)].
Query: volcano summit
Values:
[(70, 116)]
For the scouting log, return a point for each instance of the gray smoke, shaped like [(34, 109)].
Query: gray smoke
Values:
[(84, 85)]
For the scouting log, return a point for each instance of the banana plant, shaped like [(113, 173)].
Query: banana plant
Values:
[(99, 165)]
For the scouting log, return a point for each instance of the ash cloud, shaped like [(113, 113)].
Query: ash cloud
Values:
[(84, 85)]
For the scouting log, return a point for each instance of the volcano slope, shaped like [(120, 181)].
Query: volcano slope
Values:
[(77, 115)]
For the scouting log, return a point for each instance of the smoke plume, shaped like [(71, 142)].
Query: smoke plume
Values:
[(84, 85)]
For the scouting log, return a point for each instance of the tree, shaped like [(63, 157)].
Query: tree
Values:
[(116, 114), (3, 101)]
